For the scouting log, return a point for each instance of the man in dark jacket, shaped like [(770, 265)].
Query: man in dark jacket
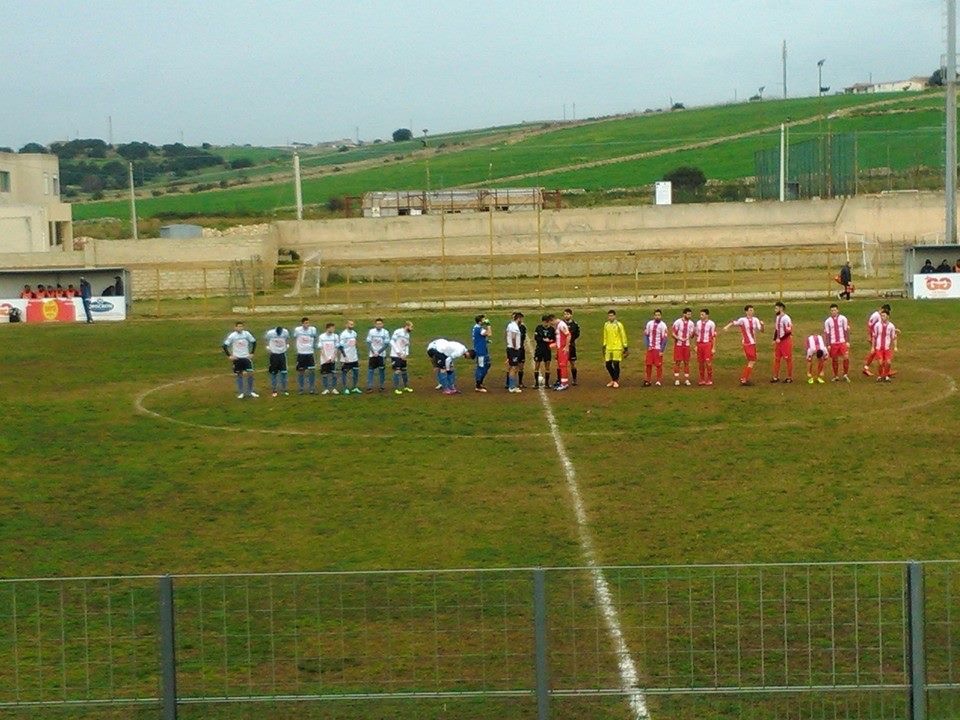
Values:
[(85, 294)]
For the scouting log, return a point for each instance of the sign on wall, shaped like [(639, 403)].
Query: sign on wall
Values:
[(663, 192), (936, 286), (64, 309)]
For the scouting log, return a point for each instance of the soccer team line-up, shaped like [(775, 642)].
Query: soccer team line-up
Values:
[(554, 339)]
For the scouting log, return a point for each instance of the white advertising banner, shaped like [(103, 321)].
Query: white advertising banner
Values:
[(936, 286), (64, 309)]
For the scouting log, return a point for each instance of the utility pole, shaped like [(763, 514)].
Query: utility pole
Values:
[(783, 162), (950, 164), (133, 202), (784, 61), (296, 185)]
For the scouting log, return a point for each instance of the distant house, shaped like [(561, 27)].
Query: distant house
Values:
[(914, 84), (32, 218)]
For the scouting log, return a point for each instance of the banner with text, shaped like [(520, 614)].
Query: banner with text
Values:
[(64, 309), (936, 287)]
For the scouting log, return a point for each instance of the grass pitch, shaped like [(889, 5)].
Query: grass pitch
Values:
[(203, 482), (675, 475)]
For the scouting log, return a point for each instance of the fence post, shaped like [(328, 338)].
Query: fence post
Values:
[(917, 694), (168, 656), (540, 643)]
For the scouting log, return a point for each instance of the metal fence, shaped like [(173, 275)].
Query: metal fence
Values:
[(861, 640)]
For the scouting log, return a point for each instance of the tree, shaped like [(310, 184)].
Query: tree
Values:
[(33, 147), (402, 134), (240, 163), (135, 150), (687, 178)]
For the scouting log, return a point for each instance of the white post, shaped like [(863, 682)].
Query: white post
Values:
[(783, 162), (133, 202), (296, 185), (950, 163)]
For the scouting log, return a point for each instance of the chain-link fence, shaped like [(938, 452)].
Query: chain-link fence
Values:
[(860, 640)]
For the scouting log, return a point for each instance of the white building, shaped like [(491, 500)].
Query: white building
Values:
[(32, 218), (914, 84)]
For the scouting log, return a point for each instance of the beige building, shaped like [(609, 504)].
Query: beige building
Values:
[(32, 218)]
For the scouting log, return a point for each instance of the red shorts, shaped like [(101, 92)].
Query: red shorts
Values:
[(654, 357), (839, 350), (750, 352), (884, 356), (563, 356), (681, 353), (781, 348), (705, 351)]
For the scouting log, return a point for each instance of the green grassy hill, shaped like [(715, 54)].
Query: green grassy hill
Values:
[(895, 131)]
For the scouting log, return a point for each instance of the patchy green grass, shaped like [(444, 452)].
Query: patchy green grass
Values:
[(207, 483)]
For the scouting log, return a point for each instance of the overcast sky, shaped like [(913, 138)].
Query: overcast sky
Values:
[(273, 71)]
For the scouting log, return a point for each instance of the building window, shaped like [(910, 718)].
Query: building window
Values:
[(56, 186), (4, 181), (46, 184)]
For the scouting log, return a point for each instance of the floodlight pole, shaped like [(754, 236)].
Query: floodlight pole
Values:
[(784, 69), (133, 201), (783, 162), (950, 163)]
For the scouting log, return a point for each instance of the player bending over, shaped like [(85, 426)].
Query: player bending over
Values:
[(443, 353), (816, 353)]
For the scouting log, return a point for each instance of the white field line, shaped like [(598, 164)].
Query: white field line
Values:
[(629, 678)]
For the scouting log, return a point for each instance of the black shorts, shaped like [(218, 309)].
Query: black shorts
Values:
[(242, 365), (278, 363), (375, 362), (398, 363), (349, 365), (513, 356), (328, 368), (522, 357), (439, 360), (573, 352), (542, 354), (306, 361)]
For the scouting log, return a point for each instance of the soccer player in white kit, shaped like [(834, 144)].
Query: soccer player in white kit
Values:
[(399, 352), (682, 332), (328, 347), (239, 346), (350, 359), (378, 342), (514, 346), (816, 352), (278, 341), (304, 340), (443, 353)]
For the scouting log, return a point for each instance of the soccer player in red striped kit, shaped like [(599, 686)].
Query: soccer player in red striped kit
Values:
[(683, 330), (884, 343), (562, 344), (655, 335), (749, 327), (836, 329), (782, 343), (871, 322), (706, 333)]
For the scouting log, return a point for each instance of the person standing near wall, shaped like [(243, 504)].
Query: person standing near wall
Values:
[(86, 292)]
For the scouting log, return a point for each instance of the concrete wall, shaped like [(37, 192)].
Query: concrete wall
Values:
[(676, 227), (180, 267)]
